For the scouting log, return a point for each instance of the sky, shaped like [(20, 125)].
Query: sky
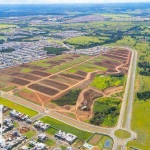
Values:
[(66, 1)]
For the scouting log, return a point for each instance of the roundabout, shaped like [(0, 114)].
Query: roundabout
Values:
[(122, 134)]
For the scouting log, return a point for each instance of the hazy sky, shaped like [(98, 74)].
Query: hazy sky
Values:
[(65, 1)]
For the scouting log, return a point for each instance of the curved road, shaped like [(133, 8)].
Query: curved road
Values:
[(127, 103)]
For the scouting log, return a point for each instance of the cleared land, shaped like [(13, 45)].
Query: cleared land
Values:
[(54, 84), (43, 89), (47, 82)]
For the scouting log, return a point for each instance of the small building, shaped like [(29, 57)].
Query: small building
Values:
[(40, 146), (24, 148), (68, 137), (42, 137)]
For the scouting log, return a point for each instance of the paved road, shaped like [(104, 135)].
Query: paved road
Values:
[(131, 95), (88, 127), (126, 109)]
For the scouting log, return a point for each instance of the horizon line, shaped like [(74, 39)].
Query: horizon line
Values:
[(72, 3)]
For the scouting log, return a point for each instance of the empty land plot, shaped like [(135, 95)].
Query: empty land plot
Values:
[(63, 79), (103, 64), (111, 62), (40, 73), (55, 63), (95, 139), (19, 81), (26, 76), (119, 53), (88, 97), (43, 89), (29, 95), (115, 57), (81, 73), (54, 84), (73, 76), (37, 68)]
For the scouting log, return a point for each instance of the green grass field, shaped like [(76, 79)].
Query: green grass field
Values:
[(141, 125), (122, 134), (65, 127), (18, 107)]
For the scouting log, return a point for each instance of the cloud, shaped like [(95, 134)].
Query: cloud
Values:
[(65, 1)]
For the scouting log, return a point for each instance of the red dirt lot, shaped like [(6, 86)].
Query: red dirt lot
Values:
[(111, 62), (106, 65), (43, 98), (43, 89), (32, 67), (115, 57), (81, 73), (26, 76), (19, 81), (40, 73), (88, 97), (85, 104), (111, 70), (29, 96), (54, 84), (63, 80), (73, 76), (54, 63)]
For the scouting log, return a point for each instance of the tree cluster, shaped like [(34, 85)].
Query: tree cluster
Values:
[(143, 95)]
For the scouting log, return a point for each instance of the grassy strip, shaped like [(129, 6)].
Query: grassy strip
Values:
[(18, 107), (65, 127)]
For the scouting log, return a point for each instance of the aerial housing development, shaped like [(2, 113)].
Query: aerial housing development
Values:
[(75, 77)]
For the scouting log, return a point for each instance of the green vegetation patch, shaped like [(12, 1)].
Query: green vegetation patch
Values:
[(18, 107), (53, 50), (68, 99), (9, 88), (106, 111), (50, 142), (8, 50), (67, 128), (84, 41), (102, 82), (51, 131), (30, 134), (122, 134), (26, 70)]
